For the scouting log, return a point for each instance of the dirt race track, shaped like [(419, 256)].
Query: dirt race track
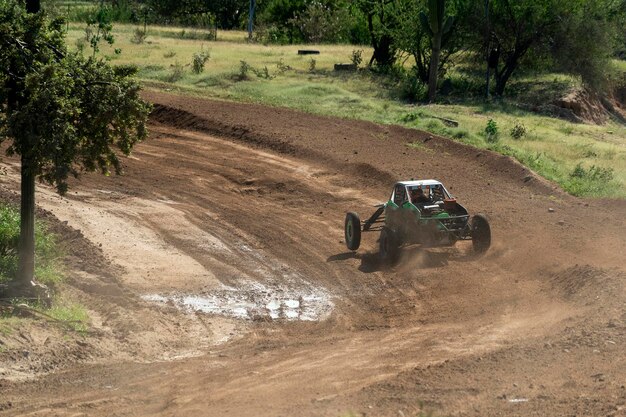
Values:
[(238, 210)]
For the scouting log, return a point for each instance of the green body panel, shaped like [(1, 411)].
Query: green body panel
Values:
[(414, 211)]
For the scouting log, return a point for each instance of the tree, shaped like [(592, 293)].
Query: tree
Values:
[(227, 13), (439, 27), (571, 35), (60, 112), (588, 39), (515, 28), (280, 15), (381, 22), (320, 23)]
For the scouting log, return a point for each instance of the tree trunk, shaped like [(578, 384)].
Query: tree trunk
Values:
[(502, 77), (26, 268), (501, 84), (434, 67), (383, 51), (33, 6)]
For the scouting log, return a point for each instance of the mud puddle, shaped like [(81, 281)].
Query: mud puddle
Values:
[(254, 301)]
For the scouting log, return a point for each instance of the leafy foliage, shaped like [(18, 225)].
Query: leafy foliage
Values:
[(101, 20), (321, 23), (198, 61), (356, 57), (594, 180), (518, 131), (64, 112), (382, 21), (491, 131), (227, 14)]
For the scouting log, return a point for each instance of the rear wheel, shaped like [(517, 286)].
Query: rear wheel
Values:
[(352, 231), (481, 234), (389, 245)]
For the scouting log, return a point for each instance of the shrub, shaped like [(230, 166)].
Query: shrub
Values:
[(169, 54), (262, 73), (594, 173), (491, 131), (271, 35), (518, 131), (177, 73), (244, 68), (81, 44), (139, 36), (460, 134), (198, 61), (593, 181), (410, 117), (410, 88), (320, 22), (356, 57), (282, 67)]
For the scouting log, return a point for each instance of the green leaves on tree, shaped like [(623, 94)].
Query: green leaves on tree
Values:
[(64, 112)]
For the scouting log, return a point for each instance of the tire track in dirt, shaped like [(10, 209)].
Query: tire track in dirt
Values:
[(235, 213)]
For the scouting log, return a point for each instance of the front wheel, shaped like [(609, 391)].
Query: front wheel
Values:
[(481, 234), (389, 246), (352, 231)]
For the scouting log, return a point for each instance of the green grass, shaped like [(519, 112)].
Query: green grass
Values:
[(47, 252), (551, 147), (66, 314), (48, 271), (73, 316)]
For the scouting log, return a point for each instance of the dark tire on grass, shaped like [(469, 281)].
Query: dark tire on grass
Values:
[(481, 234), (352, 231), (389, 246)]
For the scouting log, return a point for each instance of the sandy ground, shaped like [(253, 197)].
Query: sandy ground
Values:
[(218, 282)]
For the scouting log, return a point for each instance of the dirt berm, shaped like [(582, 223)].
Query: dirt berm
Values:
[(218, 281)]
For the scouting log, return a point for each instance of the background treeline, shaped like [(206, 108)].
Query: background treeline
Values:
[(426, 37)]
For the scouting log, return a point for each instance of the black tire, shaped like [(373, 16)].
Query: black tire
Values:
[(481, 234), (352, 231), (389, 246)]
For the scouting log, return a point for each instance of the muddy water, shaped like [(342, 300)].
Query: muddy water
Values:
[(254, 301)]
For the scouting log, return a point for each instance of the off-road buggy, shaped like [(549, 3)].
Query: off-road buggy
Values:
[(419, 212)]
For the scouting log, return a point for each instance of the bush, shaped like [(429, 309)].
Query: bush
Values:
[(410, 88), (198, 61), (262, 73), (169, 54), (491, 131), (244, 68), (177, 73), (410, 117), (357, 57), (460, 134), (594, 181), (594, 173), (271, 35), (139, 36), (321, 23), (282, 67), (518, 131)]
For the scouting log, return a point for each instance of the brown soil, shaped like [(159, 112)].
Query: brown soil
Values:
[(245, 199)]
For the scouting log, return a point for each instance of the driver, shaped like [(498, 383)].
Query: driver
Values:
[(418, 197)]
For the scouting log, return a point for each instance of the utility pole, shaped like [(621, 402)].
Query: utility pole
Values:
[(487, 47), (251, 18)]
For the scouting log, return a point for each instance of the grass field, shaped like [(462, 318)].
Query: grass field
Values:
[(586, 160)]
